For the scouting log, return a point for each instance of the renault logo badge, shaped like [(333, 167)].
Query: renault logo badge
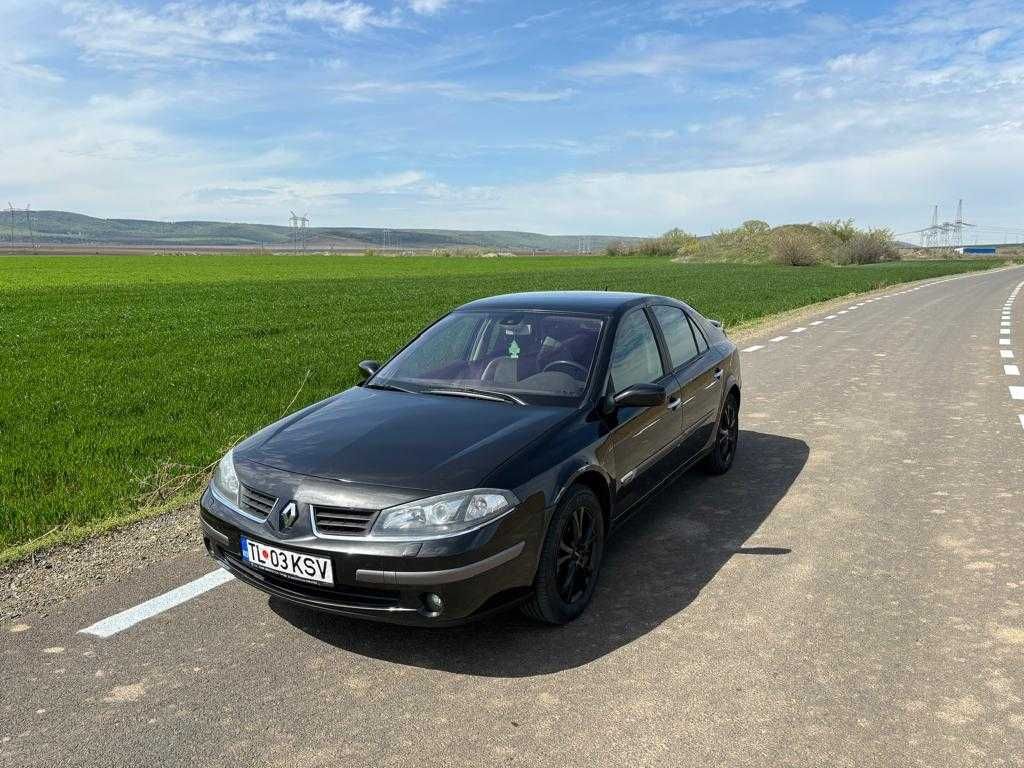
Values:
[(289, 515)]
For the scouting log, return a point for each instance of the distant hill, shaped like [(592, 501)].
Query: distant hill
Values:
[(75, 229)]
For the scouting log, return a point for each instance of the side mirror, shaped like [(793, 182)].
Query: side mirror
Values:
[(369, 367), (640, 396)]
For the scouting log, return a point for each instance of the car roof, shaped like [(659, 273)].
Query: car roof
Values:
[(591, 302)]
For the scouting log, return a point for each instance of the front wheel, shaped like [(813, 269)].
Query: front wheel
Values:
[(726, 437), (570, 559)]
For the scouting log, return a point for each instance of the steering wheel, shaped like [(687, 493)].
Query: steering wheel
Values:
[(569, 363)]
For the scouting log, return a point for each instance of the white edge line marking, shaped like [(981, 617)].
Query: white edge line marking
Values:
[(147, 610), (753, 348), (777, 339), (1017, 393), (1011, 370), (1006, 354)]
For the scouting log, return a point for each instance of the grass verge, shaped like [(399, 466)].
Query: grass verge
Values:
[(116, 367)]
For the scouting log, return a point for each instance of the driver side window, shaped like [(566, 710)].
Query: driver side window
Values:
[(635, 356)]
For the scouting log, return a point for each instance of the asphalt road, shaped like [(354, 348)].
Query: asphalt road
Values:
[(850, 594)]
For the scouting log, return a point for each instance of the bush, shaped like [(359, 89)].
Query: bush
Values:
[(616, 248), (673, 244), (794, 248), (867, 248), (841, 230)]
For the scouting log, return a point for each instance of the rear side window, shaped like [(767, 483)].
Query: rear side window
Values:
[(698, 334), (678, 337), (635, 356)]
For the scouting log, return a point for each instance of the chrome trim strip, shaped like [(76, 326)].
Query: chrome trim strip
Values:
[(234, 507), (647, 427), (429, 578)]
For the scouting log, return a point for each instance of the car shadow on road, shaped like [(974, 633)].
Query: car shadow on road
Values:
[(654, 567)]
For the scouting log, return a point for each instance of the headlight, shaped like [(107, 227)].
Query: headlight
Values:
[(450, 513), (225, 481)]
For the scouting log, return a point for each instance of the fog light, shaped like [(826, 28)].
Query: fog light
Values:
[(433, 603)]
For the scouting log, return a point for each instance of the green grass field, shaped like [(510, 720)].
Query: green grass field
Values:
[(110, 367)]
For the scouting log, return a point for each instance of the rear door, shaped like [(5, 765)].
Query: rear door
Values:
[(641, 436), (698, 375)]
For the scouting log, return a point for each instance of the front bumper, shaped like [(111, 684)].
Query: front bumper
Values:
[(474, 573)]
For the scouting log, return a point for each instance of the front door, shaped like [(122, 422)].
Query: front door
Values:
[(642, 436)]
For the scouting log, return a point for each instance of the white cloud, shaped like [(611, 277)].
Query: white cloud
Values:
[(113, 30), (281, 192), (537, 18), (348, 15), (428, 7), (191, 30), (990, 39), (874, 188), (657, 55), (367, 91), (16, 64), (700, 10)]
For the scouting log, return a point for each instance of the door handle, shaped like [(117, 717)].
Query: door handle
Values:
[(718, 373), (674, 403)]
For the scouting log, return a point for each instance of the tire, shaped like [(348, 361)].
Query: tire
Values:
[(727, 434), (577, 525)]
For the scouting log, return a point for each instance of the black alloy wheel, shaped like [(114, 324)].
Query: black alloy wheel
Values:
[(570, 559), (727, 437), (574, 565)]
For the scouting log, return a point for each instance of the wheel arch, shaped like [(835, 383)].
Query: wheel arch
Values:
[(597, 481)]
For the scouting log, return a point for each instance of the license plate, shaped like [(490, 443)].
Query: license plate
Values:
[(294, 564)]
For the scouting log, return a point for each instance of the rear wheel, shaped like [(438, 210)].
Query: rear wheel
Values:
[(726, 437), (570, 559)]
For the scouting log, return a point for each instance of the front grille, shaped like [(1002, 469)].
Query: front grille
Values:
[(342, 521), (256, 503)]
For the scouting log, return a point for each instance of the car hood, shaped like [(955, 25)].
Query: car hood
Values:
[(427, 442)]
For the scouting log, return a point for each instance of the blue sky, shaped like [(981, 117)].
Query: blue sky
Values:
[(561, 117)]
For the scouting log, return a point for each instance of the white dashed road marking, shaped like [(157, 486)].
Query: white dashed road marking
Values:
[(1011, 370), (832, 317), (817, 322), (1006, 354), (147, 610), (801, 329), (754, 348), (777, 339), (1017, 393)]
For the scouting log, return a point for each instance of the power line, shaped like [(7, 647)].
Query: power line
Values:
[(27, 210), (298, 230)]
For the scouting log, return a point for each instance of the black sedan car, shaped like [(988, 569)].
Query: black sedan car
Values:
[(484, 465)]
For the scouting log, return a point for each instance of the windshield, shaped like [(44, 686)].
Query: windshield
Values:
[(536, 357)]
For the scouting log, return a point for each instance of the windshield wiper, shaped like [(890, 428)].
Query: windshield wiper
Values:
[(479, 394), (390, 388)]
